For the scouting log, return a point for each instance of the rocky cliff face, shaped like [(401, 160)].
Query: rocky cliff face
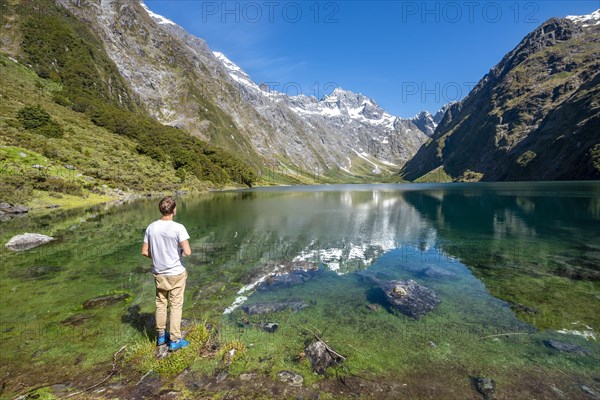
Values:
[(534, 116), (176, 77), (342, 126), (427, 122)]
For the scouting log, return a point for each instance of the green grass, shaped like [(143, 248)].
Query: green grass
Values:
[(142, 355), (437, 175)]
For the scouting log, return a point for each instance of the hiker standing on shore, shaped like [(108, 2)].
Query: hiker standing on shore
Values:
[(166, 242)]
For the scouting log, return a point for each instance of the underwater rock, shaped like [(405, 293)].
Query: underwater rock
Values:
[(290, 377), (410, 298), (295, 277), (41, 271), (104, 301), (567, 347), (374, 307), (438, 273), (264, 308), (522, 307), (589, 391), (269, 327), (27, 241), (322, 357), (76, 320), (485, 386)]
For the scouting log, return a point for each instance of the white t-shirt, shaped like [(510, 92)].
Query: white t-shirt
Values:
[(163, 238)]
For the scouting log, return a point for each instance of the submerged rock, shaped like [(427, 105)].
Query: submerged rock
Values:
[(76, 320), (104, 301), (589, 391), (296, 276), (269, 327), (521, 307), (290, 377), (410, 298), (42, 271), (322, 357), (485, 386), (264, 308), (27, 241), (374, 307), (567, 347), (438, 273)]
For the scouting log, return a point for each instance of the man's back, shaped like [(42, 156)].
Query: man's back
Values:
[(164, 238)]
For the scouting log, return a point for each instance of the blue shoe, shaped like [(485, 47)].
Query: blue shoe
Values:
[(180, 344), (163, 339)]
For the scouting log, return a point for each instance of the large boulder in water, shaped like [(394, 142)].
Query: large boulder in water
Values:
[(27, 241), (410, 298)]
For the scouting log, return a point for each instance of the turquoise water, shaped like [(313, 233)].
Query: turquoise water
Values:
[(510, 258)]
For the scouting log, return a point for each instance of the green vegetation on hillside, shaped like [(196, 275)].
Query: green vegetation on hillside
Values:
[(76, 73)]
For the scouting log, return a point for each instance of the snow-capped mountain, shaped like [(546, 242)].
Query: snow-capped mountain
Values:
[(427, 122), (586, 21), (348, 124), (181, 82)]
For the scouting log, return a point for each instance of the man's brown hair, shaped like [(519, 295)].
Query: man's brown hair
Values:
[(167, 205)]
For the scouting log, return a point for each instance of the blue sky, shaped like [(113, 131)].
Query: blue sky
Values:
[(406, 55)]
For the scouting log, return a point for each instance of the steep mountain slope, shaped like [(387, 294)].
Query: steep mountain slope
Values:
[(347, 127), (75, 73), (176, 77), (534, 116)]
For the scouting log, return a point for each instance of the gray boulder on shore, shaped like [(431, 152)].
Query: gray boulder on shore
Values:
[(27, 241)]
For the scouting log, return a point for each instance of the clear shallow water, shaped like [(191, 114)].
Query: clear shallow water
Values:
[(524, 259)]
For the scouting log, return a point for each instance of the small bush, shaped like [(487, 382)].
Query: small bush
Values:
[(33, 117), (56, 184), (14, 189), (37, 120)]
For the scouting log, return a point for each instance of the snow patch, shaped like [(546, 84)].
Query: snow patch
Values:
[(586, 20), (158, 18)]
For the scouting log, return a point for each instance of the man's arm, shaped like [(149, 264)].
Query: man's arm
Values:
[(185, 247), (146, 250)]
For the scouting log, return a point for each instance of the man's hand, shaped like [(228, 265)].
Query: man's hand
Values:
[(185, 248), (146, 250)]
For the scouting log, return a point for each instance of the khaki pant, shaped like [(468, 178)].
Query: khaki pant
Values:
[(171, 287)]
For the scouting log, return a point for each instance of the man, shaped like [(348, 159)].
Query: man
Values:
[(165, 241)]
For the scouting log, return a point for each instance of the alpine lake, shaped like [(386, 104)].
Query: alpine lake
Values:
[(516, 267)]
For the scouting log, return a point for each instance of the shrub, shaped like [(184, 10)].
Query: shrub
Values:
[(37, 120), (33, 117)]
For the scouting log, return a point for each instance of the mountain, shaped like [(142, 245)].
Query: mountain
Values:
[(345, 126), (534, 116), (182, 83), (427, 122)]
